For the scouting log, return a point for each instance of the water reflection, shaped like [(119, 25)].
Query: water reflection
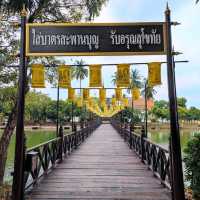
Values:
[(162, 137)]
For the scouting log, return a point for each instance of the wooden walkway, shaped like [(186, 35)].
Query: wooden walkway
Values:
[(103, 167)]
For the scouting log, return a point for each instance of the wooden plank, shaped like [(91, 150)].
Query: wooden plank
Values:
[(101, 168)]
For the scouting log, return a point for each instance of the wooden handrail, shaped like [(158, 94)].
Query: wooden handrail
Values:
[(42, 158), (151, 154)]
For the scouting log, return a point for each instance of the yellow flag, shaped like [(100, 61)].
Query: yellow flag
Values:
[(135, 93), (38, 80), (125, 102), (79, 103), (154, 75), (95, 76), (123, 75), (71, 94), (118, 93), (64, 76), (102, 94), (85, 94), (113, 101)]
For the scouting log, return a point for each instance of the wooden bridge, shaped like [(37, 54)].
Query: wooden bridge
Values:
[(103, 167)]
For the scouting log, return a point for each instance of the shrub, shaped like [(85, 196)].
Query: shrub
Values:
[(192, 164)]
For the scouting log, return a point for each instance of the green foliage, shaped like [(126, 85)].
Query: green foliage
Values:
[(192, 164), (36, 106), (182, 102), (150, 91), (47, 10), (135, 79), (129, 115), (160, 110)]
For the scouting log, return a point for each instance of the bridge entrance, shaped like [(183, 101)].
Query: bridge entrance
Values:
[(104, 39)]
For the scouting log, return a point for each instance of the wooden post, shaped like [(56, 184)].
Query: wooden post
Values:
[(178, 184), (146, 111), (142, 144), (72, 117), (57, 110), (18, 176), (131, 128), (61, 144)]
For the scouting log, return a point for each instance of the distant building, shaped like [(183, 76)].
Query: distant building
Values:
[(140, 104)]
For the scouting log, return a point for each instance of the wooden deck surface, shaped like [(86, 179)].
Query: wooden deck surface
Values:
[(103, 167)]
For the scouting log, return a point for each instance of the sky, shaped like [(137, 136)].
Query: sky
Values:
[(185, 40)]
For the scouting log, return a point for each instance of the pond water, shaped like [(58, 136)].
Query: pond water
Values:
[(162, 137), (33, 137)]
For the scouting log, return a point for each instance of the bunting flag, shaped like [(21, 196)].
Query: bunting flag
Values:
[(118, 94), (64, 76), (38, 79), (71, 94), (86, 94), (113, 101), (79, 103), (125, 102), (123, 75), (95, 76), (102, 94), (154, 73), (135, 93)]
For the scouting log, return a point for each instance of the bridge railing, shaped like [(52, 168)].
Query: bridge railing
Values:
[(155, 156), (41, 159)]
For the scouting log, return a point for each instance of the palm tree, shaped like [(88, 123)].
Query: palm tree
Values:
[(150, 91), (79, 72), (135, 80)]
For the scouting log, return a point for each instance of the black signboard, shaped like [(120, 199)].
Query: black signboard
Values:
[(95, 39)]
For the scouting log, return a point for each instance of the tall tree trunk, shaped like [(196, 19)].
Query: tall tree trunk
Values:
[(6, 137), (5, 141)]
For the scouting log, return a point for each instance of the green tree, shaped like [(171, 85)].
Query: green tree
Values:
[(36, 107), (192, 164), (39, 11), (161, 110), (194, 113), (181, 101), (79, 72), (135, 79)]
